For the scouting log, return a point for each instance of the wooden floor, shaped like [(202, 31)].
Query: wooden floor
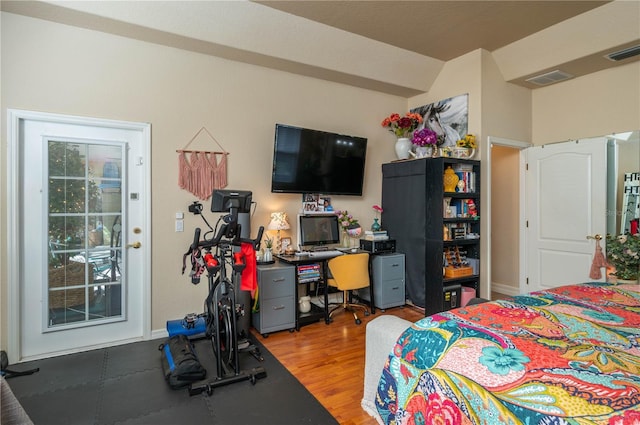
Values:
[(329, 360)]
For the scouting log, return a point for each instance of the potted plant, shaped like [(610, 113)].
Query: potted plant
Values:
[(465, 147), (623, 253), (268, 247), (425, 141)]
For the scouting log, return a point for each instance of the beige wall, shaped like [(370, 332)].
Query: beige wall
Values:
[(594, 105), (56, 68)]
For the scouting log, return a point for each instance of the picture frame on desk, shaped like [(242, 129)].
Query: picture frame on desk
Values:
[(286, 242)]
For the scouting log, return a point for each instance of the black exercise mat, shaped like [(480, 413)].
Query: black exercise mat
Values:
[(125, 385)]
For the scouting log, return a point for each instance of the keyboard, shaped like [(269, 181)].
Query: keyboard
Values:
[(325, 254)]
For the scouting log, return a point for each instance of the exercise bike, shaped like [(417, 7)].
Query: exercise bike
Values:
[(216, 255)]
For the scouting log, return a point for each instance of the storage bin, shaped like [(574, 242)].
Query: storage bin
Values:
[(466, 296), (457, 272)]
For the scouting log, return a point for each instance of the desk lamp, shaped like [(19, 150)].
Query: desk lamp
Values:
[(279, 221)]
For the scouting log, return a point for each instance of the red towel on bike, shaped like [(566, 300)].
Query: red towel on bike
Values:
[(249, 281)]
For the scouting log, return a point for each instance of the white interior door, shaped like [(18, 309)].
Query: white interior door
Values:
[(82, 221), (566, 202)]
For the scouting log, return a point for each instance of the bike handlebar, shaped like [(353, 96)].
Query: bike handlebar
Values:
[(196, 239), (237, 240)]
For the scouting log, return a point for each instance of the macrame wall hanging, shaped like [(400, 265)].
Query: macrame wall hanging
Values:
[(202, 171)]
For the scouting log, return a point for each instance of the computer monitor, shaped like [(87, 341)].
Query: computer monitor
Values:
[(316, 230)]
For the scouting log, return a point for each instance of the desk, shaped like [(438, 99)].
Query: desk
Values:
[(312, 317)]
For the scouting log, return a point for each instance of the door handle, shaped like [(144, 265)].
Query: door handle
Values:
[(596, 237), (134, 245)]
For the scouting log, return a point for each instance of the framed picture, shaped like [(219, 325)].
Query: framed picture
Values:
[(286, 242), (449, 118), (310, 202), (324, 204), (310, 206)]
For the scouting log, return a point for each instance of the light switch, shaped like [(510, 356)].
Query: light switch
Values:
[(179, 215), (179, 226)]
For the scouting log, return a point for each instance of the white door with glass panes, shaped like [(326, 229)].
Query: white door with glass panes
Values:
[(82, 225)]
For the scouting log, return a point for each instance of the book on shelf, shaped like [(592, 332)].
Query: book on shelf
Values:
[(466, 174), (308, 280), (313, 266)]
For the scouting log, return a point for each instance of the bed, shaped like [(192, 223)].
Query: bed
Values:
[(569, 355)]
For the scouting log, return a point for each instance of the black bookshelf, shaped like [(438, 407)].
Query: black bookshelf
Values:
[(414, 215)]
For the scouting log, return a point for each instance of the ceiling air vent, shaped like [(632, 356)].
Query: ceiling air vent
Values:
[(549, 78), (624, 53)]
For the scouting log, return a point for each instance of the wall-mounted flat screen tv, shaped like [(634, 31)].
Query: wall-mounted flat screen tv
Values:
[(313, 161)]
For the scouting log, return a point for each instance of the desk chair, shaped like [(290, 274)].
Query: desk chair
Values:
[(349, 272)]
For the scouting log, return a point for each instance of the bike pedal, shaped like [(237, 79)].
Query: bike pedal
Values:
[(259, 372)]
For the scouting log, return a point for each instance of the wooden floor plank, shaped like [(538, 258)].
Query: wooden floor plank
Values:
[(329, 360)]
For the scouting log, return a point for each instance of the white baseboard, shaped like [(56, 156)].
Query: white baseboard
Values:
[(159, 333), (505, 289)]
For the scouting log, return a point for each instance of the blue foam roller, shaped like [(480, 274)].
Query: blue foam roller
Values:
[(182, 327)]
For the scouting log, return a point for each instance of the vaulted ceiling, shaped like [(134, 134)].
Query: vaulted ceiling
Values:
[(396, 47)]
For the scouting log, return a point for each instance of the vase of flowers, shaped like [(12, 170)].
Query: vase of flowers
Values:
[(623, 253), (376, 225), (425, 141), (402, 127), (349, 226), (465, 147)]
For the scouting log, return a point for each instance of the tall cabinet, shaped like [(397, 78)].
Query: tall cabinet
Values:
[(437, 230)]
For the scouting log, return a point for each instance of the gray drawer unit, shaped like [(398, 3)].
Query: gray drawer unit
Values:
[(387, 272), (276, 293)]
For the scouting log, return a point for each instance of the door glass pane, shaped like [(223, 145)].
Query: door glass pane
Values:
[(84, 220)]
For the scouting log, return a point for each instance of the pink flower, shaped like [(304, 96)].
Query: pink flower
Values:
[(377, 208), (425, 137)]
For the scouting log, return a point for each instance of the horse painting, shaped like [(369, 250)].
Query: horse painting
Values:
[(447, 136), (447, 118)]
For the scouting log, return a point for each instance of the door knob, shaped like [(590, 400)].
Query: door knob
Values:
[(134, 245), (596, 237)]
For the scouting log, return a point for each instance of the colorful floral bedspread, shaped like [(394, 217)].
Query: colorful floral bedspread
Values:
[(569, 355)]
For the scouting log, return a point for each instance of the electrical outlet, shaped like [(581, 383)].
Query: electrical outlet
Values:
[(179, 226)]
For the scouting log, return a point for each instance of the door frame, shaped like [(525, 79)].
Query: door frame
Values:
[(14, 223), (521, 146)]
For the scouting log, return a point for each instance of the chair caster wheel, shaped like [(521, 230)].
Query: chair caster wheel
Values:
[(358, 321), (366, 313)]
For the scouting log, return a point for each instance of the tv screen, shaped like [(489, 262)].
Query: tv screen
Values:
[(313, 161), (319, 230)]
